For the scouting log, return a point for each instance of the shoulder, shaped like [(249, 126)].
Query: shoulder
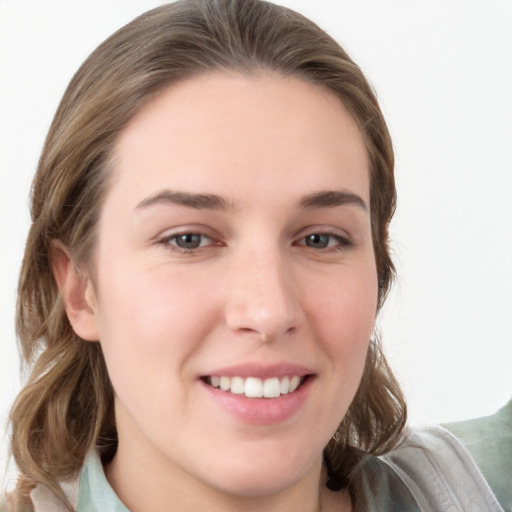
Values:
[(5, 503), (440, 472), (44, 500), (489, 440)]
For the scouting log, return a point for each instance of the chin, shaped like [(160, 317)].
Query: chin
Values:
[(252, 483), (264, 475)]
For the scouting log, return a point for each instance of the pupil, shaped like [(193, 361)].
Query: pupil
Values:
[(188, 240), (317, 241)]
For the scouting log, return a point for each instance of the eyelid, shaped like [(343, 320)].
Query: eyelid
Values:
[(344, 239), (165, 238), (172, 231), (323, 230)]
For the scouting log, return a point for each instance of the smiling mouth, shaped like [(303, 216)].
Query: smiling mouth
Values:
[(254, 387)]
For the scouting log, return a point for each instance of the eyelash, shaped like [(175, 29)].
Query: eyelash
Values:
[(342, 242), (166, 242)]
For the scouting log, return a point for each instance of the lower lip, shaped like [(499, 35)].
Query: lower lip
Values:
[(261, 411)]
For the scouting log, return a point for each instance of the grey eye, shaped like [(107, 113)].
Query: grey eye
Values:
[(188, 240), (317, 240)]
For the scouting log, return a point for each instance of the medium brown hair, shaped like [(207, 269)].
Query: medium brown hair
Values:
[(66, 407)]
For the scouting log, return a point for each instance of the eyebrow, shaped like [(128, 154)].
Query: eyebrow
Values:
[(331, 199), (322, 199), (188, 199)]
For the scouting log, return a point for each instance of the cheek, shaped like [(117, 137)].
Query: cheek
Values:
[(149, 332), (342, 311), (345, 311), (148, 322)]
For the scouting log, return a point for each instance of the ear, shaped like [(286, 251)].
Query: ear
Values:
[(77, 292)]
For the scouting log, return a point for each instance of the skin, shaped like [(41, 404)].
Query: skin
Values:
[(258, 289)]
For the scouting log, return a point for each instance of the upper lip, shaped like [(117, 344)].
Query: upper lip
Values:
[(262, 371)]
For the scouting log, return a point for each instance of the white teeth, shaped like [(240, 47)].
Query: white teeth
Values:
[(285, 385), (225, 383), (294, 383), (271, 388), (237, 385), (253, 387)]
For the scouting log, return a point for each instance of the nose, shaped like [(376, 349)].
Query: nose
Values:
[(262, 299)]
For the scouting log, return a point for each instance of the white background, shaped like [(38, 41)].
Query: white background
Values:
[(443, 73)]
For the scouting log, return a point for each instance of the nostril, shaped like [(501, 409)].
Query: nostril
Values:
[(261, 336), (261, 315)]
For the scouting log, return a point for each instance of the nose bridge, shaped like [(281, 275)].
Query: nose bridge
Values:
[(261, 295)]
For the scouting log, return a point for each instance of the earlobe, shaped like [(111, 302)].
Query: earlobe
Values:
[(77, 292)]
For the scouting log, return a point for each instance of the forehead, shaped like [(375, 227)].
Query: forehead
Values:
[(216, 131)]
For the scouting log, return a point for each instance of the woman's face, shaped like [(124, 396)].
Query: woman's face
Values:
[(235, 250)]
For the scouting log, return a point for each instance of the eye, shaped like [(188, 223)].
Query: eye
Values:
[(189, 240), (186, 241), (317, 240), (324, 241)]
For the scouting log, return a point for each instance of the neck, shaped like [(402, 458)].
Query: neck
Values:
[(187, 494), (146, 478)]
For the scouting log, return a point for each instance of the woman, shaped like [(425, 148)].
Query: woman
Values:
[(208, 253)]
